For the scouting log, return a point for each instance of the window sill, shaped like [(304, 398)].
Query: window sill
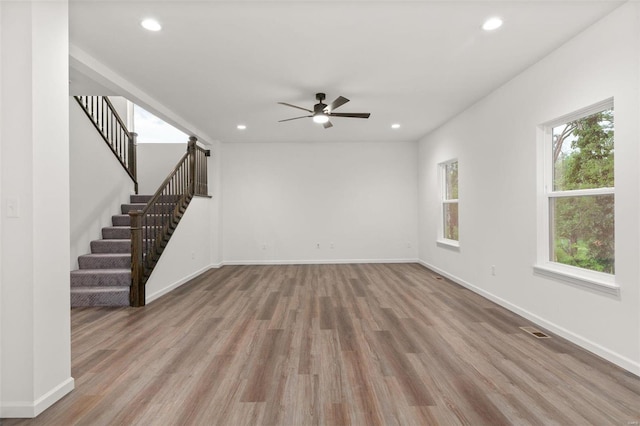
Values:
[(448, 243), (598, 281)]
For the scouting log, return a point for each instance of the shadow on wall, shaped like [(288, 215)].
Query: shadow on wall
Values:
[(110, 206)]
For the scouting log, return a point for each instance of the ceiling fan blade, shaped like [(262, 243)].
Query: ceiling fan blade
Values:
[(340, 100), (293, 106), (327, 125), (351, 114), (295, 118)]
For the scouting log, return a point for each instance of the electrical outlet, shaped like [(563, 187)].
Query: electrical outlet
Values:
[(193, 255), (493, 270), (409, 244), (264, 247), (317, 245), (331, 245)]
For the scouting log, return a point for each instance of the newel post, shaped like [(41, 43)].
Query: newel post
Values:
[(137, 293), (133, 158), (191, 149)]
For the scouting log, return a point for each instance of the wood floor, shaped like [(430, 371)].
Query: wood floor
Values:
[(330, 345)]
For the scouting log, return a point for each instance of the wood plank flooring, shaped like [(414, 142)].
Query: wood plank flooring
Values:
[(296, 345)]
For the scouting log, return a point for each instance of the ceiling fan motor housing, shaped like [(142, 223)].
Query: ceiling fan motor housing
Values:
[(319, 108)]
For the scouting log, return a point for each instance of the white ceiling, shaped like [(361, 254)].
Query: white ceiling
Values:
[(220, 63)]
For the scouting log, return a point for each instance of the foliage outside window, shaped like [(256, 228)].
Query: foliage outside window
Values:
[(449, 211), (581, 195)]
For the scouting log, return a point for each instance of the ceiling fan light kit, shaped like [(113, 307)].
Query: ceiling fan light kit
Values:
[(322, 112), (320, 118)]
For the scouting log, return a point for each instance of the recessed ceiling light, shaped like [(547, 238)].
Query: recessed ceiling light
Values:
[(492, 24), (241, 127), (395, 126), (151, 25)]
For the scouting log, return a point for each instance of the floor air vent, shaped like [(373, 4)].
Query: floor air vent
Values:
[(535, 332)]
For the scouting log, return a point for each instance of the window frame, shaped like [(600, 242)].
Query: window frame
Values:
[(442, 180), (595, 280)]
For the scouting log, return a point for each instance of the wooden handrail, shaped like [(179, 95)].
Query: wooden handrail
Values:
[(163, 185), (152, 227), (115, 113), (114, 132)]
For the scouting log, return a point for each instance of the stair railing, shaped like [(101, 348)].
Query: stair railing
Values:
[(108, 123), (152, 227)]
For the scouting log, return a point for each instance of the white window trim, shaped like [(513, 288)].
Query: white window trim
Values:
[(448, 243), (441, 240), (578, 276), (570, 274), (581, 192)]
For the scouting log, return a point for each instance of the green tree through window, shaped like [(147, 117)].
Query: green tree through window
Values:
[(449, 171), (581, 204)]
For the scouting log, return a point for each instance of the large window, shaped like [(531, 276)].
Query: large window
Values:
[(579, 190), (151, 129), (449, 232)]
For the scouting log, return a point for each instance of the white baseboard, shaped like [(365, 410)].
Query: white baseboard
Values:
[(315, 261), (26, 409), (621, 361), (151, 297)]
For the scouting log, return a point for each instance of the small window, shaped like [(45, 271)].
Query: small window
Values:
[(579, 190), (449, 231)]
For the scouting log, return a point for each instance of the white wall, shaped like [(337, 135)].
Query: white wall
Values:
[(1, 208), (155, 162), (34, 316), (188, 253), (215, 190), (495, 142), (279, 200), (98, 183)]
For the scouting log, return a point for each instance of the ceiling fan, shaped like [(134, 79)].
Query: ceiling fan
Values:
[(322, 112)]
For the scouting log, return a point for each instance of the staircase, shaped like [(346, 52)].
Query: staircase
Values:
[(104, 277), (119, 265)]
